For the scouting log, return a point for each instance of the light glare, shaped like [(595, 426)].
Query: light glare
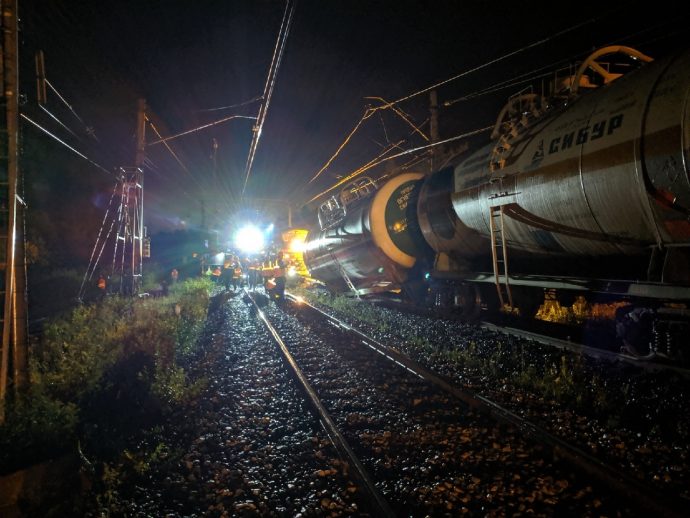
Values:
[(249, 239)]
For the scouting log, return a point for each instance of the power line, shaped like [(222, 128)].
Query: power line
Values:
[(387, 105), (374, 162), (488, 63), (245, 103), (56, 119), (368, 113), (166, 139), (270, 84), (66, 144), (88, 129)]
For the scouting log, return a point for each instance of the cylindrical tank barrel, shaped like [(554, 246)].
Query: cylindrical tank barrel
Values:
[(373, 245), (606, 174)]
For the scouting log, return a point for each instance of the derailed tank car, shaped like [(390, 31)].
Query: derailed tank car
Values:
[(583, 197), (369, 241)]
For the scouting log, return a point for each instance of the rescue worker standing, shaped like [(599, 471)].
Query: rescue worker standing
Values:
[(226, 276), (102, 286), (279, 276), (266, 275), (236, 276), (254, 274)]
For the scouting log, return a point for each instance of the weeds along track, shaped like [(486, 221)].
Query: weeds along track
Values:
[(629, 415), (429, 451)]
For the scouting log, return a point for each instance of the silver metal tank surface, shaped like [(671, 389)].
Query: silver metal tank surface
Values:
[(606, 174)]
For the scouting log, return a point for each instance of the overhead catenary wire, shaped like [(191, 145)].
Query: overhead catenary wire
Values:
[(245, 103), (199, 128), (164, 141), (504, 85), (389, 105), (66, 144), (269, 86), (88, 129), (56, 119), (403, 116), (489, 63), (367, 114), (374, 163)]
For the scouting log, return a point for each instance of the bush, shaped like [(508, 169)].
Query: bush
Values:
[(106, 370), (44, 284), (37, 428)]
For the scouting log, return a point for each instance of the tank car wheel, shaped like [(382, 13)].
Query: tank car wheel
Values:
[(468, 299)]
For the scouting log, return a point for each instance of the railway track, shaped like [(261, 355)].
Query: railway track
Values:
[(650, 362), (423, 445)]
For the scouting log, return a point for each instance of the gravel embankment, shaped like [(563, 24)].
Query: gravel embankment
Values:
[(247, 447), (632, 419)]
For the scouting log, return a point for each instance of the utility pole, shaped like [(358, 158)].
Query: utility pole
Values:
[(12, 259), (433, 129)]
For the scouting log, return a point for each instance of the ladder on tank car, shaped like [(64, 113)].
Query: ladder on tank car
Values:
[(344, 275), (499, 255)]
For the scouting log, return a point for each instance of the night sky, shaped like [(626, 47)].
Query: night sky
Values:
[(191, 59)]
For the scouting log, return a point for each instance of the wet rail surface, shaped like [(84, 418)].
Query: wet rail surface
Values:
[(557, 336), (430, 452), (250, 446), (630, 415)]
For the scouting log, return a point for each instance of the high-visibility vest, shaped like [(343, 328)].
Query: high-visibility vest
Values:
[(101, 283)]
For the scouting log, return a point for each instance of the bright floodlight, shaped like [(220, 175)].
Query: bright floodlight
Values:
[(249, 239)]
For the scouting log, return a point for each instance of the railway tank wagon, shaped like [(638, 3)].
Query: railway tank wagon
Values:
[(599, 184), (583, 197), (368, 239)]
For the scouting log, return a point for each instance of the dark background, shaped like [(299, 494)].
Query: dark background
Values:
[(188, 57)]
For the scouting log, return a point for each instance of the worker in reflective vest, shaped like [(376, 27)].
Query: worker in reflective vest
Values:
[(267, 276), (236, 276), (102, 287), (279, 276), (254, 274)]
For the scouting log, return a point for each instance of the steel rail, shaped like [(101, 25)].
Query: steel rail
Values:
[(594, 352), (623, 484), (644, 363), (336, 438)]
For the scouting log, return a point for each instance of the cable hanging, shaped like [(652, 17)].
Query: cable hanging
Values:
[(370, 111), (374, 163), (268, 87), (245, 103), (199, 128), (65, 144), (88, 129), (164, 141)]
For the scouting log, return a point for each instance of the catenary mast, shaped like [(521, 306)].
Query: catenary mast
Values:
[(13, 360)]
